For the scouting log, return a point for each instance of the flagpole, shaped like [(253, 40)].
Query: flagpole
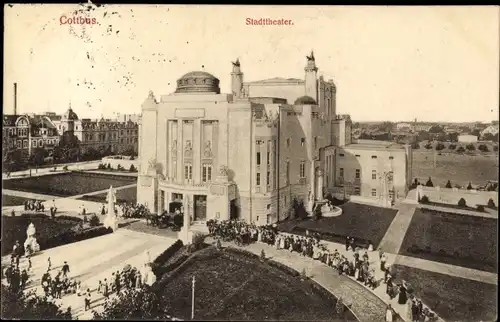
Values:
[(192, 300)]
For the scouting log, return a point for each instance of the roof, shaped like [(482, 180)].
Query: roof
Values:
[(41, 121), (279, 80), (198, 74)]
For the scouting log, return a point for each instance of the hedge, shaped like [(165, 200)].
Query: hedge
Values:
[(73, 237)]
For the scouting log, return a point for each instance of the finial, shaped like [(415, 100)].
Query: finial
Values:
[(237, 63)]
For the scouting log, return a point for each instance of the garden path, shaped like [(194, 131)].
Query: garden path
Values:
[(89, 165), (24, 194), (393, 238), (93, 260)]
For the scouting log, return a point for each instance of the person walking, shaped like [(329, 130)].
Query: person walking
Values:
[(88, 298), (65, 269), (49, 264)]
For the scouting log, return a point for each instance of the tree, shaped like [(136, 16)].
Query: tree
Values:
[(132, 168), (133, 304), (448, 185), (476, 132), (469, 187), (460, 149), (17, 305), (428, 146), (429, 183), (480, 208), (488, 137), (386, 127), (436, 129), (439, 146), (12, 160), (470, 147), (491, 203), (424, 199), (462, 203), (422, 136), (453, 136), (38, 155)]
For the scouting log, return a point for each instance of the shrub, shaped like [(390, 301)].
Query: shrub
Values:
[(483, 148), (460, 149), (452, 146), (470, 147), (17, 305), (469, 187), (448, 184), (198, 242), (119, 167), (429, 183), (65, 168), (69, 237), (132, 158), (424, 199), (428, 146), (480, 208), (108, 166), (439, 146), (462, 203), (132, 168), (101, 166), (495, 148), (219, 244), (491, 203), (94, 220), (262, 255)]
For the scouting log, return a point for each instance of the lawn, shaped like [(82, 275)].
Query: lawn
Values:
[(231, 285), (14, 228), (12, 200), (452, 298), (455, 239), (128, 195), (363, 222), (458, 168), (68, 184)]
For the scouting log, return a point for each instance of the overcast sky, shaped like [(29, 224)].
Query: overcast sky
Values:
[(397, 63)]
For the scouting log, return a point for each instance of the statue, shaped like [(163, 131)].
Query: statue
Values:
[(111, 220), (151, 94), (236, 63), (223, 171), (31, 245), (208, 149), (188, 149), (152, 164), (311, 57)]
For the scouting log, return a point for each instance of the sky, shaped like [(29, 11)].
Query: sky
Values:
[(388, 63)]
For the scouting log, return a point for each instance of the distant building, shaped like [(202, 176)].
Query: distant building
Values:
[(28, 132), (421, 127), (492, 129), (467, 138), (102, 135), (124, 118), (404, 126)]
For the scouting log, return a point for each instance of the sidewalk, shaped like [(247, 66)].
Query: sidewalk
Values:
[(87, 165), (393, 238)]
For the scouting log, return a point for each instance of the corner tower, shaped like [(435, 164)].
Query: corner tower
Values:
[(236, 79), (311, 80)]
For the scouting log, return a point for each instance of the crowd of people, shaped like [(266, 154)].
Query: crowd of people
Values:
[(358, 267), (128, 278), (55, 286), (16, 278), (129, 210), (34, 205)]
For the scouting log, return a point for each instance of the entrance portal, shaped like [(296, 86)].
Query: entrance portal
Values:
[(234, 210), (200, 207)]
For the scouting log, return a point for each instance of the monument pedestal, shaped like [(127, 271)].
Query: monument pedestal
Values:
[(185, 235)]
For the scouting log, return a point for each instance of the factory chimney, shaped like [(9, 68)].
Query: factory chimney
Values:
[(15, 98)]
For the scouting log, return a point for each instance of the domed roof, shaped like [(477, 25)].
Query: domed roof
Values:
[(70, 115), (305, 100), (198, 82)]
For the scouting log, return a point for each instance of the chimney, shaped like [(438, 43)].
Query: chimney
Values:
[(15, 98)]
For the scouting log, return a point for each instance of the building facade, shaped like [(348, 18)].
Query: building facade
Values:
[(245, 155)]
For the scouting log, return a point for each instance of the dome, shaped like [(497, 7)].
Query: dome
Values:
[(198, 82), (305, 100), (70, 115)]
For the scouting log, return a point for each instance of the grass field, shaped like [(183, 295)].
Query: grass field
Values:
[(363, 222), (128, 195), (12, 200), (453, 239), (458, 168), (234, 286), (14, 228), (452, 298), (68, 184)]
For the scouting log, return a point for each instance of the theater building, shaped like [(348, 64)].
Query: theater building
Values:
[(244, 155)]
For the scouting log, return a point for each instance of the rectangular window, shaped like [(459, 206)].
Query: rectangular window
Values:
[(33, 144), (374, 156), (391, 158), (287, 172), (206, 173), (358, 173), (357, 191), (287, 143), (341, 172), (357, 155), (374, 174), (374, 192), (258, 179), (315, 142), (268, 178), (302, 141), (258, 158), (188, 171), (302, 169), (341, 154), (269, 149)]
